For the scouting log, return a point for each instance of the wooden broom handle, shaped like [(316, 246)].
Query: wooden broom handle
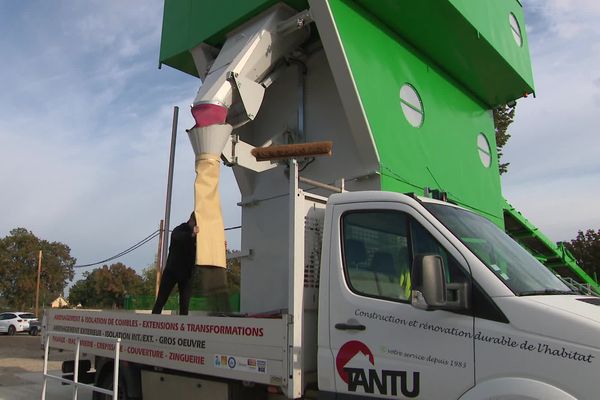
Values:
[(298, 150)]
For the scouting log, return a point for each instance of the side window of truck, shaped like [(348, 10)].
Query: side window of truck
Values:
[(376, 254), (424, 243), (378, 248)]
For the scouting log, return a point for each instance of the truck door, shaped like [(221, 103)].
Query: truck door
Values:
[(382, 345)]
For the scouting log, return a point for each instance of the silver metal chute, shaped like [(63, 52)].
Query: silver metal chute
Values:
[(246, 58), (231, 95), (209, 139)]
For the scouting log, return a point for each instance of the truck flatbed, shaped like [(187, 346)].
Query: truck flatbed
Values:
[(249, 349)]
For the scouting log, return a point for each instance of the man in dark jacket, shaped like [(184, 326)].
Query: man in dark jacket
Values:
[(180, 267)]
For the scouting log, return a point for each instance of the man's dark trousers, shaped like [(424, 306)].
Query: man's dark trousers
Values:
[(178, 270)]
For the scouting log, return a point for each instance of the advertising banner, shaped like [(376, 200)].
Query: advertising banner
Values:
[(239, 348)]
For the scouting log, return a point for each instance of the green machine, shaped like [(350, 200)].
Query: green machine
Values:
[(403, 88)]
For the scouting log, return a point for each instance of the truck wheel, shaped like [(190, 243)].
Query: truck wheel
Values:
[(11, 330), (106, 382), (33, 331)]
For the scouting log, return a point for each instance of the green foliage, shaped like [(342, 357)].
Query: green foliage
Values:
[(148, 287), (82, 292), (586, 250), (18, 269), (233, 273), (144, 298), (106, 287), (503, 117), (233, 277)]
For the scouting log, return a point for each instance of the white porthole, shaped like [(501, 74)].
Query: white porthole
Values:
[(411, 105), (483, 147), (515, 29)]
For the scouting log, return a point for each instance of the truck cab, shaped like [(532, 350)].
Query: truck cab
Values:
[(424, 299)]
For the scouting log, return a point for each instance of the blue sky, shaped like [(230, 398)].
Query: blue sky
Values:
[(85, 120), (554, 176), (85, 127)]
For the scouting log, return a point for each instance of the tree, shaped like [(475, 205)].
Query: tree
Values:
[(503, 117), (233, 277), (148, 287), (586, 250), (19, 264), (82, 292), (106, 287), (234, 273)]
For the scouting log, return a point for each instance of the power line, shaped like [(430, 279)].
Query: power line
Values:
[(135, 247), (126, 251)]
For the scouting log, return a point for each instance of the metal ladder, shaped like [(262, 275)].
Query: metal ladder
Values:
[(75, 382)]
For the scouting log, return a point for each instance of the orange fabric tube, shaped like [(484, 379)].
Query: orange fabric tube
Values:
[(210, 240)]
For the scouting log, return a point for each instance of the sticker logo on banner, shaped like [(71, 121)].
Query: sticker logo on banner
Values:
[(237, 363), (350, 362), (231, 362)]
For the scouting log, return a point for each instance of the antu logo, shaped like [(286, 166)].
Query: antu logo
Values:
[(386, 382)]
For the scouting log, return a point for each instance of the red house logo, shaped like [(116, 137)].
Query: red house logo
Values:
[(350, 362), (347, 352)]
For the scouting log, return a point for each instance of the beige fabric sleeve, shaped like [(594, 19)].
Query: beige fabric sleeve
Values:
[(210, 240)]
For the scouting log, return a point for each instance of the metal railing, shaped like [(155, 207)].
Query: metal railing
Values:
[(75, 382), (583, 288)]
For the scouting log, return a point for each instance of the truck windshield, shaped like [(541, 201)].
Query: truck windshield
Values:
[(518, 269)]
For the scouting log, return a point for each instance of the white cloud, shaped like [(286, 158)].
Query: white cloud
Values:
[(85, 125), (568, 19), (554, 167)]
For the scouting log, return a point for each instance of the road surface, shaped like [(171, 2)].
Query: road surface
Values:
[(21, 366)]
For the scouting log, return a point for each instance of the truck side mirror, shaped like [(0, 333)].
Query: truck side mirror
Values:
[(430, 291), (429, 283)]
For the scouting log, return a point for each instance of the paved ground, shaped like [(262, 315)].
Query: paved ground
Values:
[(21, 366)]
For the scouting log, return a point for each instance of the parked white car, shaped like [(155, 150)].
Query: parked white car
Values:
[(13, 322), (28, 318)]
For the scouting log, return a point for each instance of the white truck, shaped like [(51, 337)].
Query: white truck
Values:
[(366, 293), (483, 318)]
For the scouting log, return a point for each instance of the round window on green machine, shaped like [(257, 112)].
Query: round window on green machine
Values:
[(515, 29), (483, 148), (411, 104)]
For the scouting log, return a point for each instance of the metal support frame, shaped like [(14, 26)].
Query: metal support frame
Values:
[(301, 100), (296, 285), (75, 382), (237, 152), (297, 374), (321, 185)]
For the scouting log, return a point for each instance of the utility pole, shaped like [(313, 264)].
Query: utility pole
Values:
[(159, 257), (37, 290), (165, 237)]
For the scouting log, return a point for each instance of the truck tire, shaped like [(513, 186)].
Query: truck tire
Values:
[(254, 392), (33, 331), (11, 330), (129, 382), (106, 382)]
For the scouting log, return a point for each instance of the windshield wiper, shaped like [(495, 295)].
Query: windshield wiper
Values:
[(546, 292)]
